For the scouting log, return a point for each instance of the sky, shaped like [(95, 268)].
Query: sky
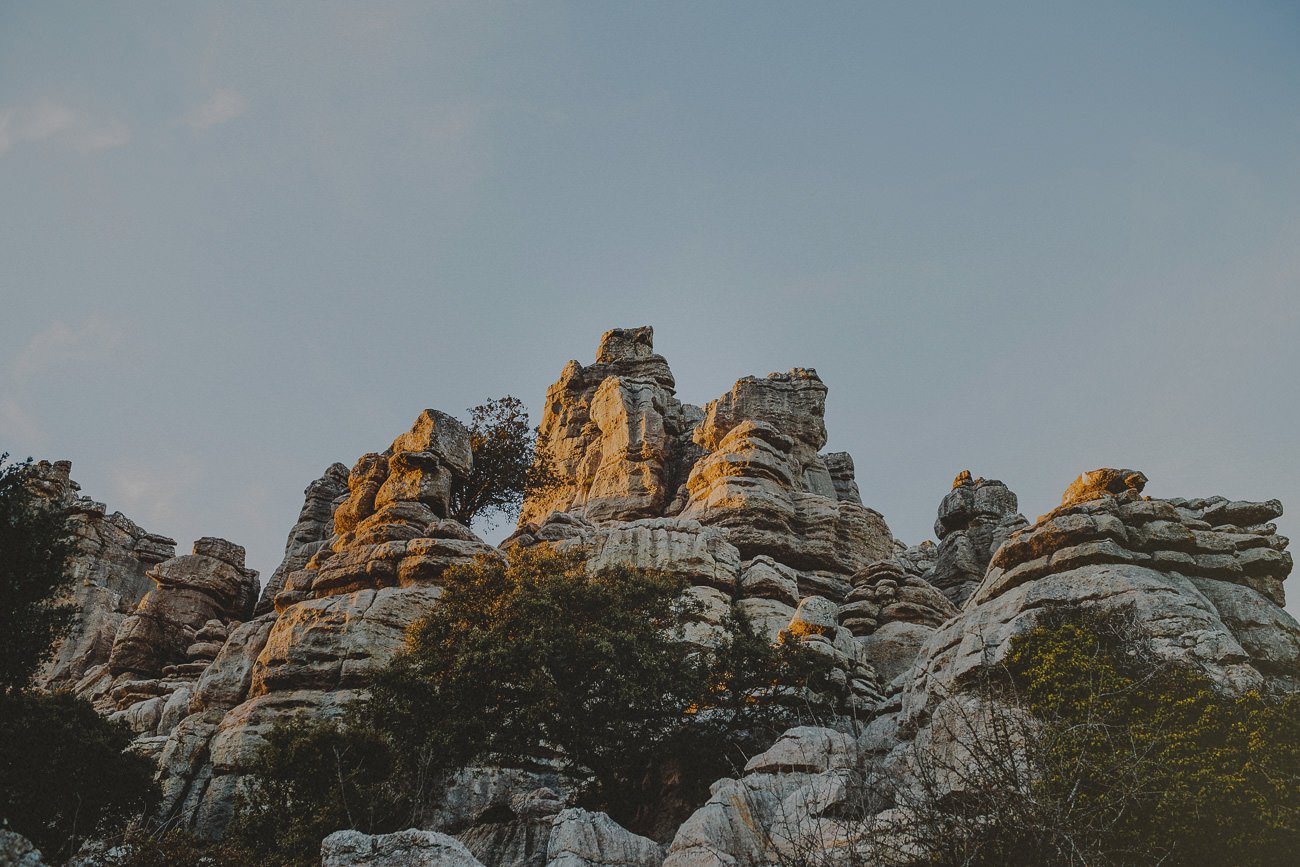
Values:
[(242, 241)]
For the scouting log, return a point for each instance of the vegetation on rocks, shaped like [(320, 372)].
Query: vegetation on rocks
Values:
[(33, 552), (507, 462), (534, 662), (63, 774), (1088, 748)]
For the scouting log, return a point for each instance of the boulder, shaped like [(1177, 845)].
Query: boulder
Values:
[(409, 848), (580, 838)]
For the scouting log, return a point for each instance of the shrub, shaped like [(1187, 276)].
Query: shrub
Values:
[(63, 774)]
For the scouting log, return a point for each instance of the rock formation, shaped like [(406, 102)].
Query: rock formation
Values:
[(111, 556), (739, 498), (339, 617)]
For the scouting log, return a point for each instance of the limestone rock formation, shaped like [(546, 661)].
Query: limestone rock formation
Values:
[(311, 533), (1203, 588), (17, 851), (338, 619), (974, 519), (410, 848), (739, 498), (111, 556), (892, 610), (584, 839)]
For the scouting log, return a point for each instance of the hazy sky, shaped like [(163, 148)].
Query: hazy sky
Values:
[(242, 241)]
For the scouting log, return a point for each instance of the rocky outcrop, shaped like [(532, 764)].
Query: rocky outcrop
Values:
[(1203, 578), (614, 433), (893, 609), (974, 519), (338, 619), (17, 851), (736, 497), (410, 848), (311, 533), (580, 838), (782, 810), (110, 559)]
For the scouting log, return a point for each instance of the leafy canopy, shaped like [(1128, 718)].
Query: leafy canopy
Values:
[(33, 576), (64, 775), (507, 462), (536, 659)]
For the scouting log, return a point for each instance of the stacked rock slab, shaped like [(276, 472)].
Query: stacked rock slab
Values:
[(311, 533), (893, 608), (974, 519), (110, 558), (1203, 579), (338, 619), (735, 496), (176, 630)]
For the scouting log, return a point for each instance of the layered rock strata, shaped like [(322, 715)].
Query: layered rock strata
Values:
[(339, 617), (111, 556), (736, 496)]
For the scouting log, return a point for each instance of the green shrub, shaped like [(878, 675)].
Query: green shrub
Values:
[(63, 774)]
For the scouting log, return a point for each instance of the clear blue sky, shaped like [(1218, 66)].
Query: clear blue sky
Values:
[(242, 241)]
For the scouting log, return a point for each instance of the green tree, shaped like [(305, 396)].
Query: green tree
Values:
[(1089, 748), (541, 658), (64, 775), (315, 777), (34, 549), (507, 463)]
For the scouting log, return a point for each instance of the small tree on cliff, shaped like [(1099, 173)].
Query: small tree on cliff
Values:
[(507, 462), (33, 556)]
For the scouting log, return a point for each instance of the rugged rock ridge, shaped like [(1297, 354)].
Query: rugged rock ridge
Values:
[(341, 614), (736, 496)]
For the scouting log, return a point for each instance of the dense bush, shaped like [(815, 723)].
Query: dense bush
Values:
[(1088, 748), (64, 775), (33, 576), (315, 777), (507, 462)]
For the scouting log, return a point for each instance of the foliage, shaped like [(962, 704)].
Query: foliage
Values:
[(33, 555), (539, 657), (313, 778), (63, 774), (1154, 756), (1088, 748), (507, 462)]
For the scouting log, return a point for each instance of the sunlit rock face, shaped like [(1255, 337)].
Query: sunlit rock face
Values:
[(614, 430), (737, 496), (361, 565), (110, 558)]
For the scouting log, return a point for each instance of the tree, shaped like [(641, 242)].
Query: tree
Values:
[(541, 658), (507, 462), (315, 777), (64, 775), (34, 549), (1085, 748)]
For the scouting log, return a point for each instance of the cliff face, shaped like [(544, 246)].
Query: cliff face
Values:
[(109, 564), (737, 496)]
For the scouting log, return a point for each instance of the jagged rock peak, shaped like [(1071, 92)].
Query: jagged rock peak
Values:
[(620, 344), (974, 519), (1098, 483)]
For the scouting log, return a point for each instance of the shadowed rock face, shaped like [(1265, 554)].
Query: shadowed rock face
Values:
[(315, 526), (209, 584), (111, 555), (974, 518)]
